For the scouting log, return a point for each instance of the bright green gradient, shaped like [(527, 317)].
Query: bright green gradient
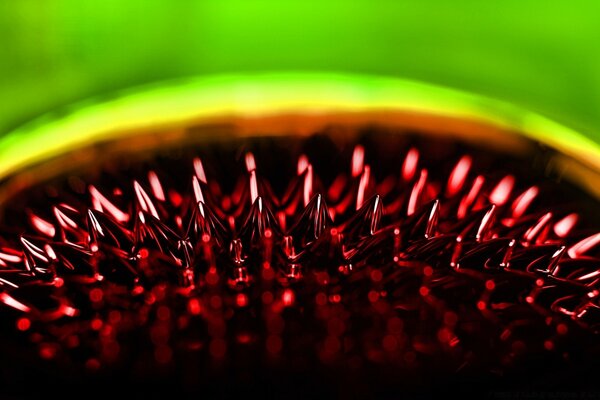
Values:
[(540, 55)]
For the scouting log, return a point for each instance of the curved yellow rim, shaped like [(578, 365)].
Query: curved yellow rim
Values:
[(270, 94)]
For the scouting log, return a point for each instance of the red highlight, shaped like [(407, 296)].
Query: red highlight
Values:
[(501, 192), (410, 164), (416, 193), (144, 200), (42, 225), (101, 203), (362, 186), (96, 295), (583, 246), (288, 297), (23, 324), (468, 201), (143, 253), (198, 195), (522, 202), (157, 189), (194, 307), (458, 175), (373, 296), (92, 364), (47, 351), (250, 162), (358, 158), (562, 329), (376, 275), (241, 300), (199, 170), (12, 302), (533, 232), (96, 324), (565, 225), (308, 185), (253, 186), (302, 164), (244, 338)]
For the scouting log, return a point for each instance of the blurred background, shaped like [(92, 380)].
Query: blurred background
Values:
[(541, 55)]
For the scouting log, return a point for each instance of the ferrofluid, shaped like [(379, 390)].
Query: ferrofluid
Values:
[(305, 236)]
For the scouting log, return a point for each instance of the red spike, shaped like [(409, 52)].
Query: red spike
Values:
[(423, 223), (536, 231), (415, 194), (469, 199), (583, 246), (502, 191), (250, 162), (204, 226), (302, 164), (144, 201), (199, 170), (35, 255), (157, 189), (101, 203), (236, 251), (522, 202), (432, 220), (41, 225), (388, 270), (364, 223), (409, 168), (458, 176), (103, 229), (70, 231), (565, 225), (486, 224), (10, 256), (259, 221), (310, 226), (308, 185), (253, 187), (358, 159), (198, 196), (150, 231), (362, 186), (12, 302)]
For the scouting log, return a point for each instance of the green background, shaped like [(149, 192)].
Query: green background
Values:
[(540, 55)]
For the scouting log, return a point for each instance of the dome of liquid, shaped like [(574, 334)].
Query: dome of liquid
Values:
[(387, 260)]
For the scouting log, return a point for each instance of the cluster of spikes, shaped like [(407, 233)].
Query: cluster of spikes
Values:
[(113, 259)]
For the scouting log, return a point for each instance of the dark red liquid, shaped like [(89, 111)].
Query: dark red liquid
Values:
[(378, 265)]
